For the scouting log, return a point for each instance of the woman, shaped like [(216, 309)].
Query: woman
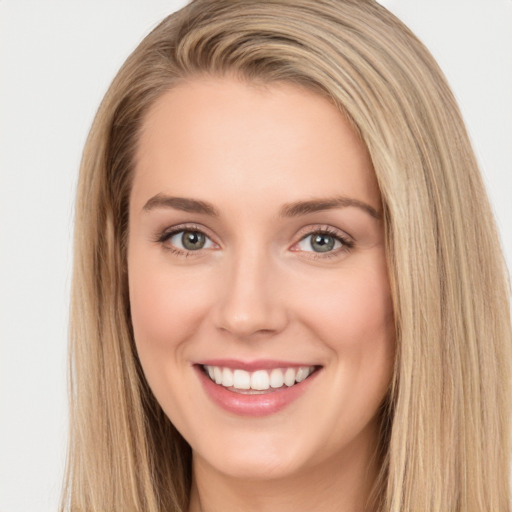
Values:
[(288, 288)]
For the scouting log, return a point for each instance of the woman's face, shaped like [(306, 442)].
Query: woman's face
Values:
[(256, 255)]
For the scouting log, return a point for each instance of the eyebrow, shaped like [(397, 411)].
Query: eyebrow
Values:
[(181, 203), (294, 209), (317, 205)]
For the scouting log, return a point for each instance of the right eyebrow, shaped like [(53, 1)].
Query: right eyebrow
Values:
[(180, 203)]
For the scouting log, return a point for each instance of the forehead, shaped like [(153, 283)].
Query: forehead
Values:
[(219, 136)]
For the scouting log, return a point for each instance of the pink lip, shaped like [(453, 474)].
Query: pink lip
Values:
[(251, 366), (253, 405)]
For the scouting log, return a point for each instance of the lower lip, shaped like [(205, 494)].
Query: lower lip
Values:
[(261, 404)]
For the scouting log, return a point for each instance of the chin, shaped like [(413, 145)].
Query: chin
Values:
[(255, 467), (255, 455)]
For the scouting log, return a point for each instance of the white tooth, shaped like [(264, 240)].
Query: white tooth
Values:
[(289, 377), (241, 379), (260, 380), (276, 378), (227, 377), (217, 373), (302, 373), (209, 369)]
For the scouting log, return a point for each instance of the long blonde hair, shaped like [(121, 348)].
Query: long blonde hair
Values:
[(445, 428)]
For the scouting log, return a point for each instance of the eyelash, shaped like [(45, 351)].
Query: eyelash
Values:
[(346, 243), (167, 234)]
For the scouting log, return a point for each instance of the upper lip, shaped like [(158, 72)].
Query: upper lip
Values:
[(250, 366)]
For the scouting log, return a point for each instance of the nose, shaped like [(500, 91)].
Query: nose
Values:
[(252, 300)]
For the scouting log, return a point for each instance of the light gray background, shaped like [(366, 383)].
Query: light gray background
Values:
[(56, 61)]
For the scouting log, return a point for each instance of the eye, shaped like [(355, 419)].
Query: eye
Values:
[(319, 242), (188, 240), (324, 242)]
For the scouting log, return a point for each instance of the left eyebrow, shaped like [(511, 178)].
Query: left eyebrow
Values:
[(317, 205)]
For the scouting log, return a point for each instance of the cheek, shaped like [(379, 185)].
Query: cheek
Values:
[(166, 307), (355, 321), (166, 310), (355, 313)]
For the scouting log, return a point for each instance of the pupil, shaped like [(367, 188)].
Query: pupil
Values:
[(192, 240), (322, 243)]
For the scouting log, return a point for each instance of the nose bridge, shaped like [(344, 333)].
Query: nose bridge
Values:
[(248, 302)]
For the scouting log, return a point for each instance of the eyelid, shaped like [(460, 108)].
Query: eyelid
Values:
[(346, 240), (324, 228), (163, 236)]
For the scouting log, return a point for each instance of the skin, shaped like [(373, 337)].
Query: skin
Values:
[(259, 290)]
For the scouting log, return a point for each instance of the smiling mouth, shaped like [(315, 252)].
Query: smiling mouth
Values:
[(259, 381)]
